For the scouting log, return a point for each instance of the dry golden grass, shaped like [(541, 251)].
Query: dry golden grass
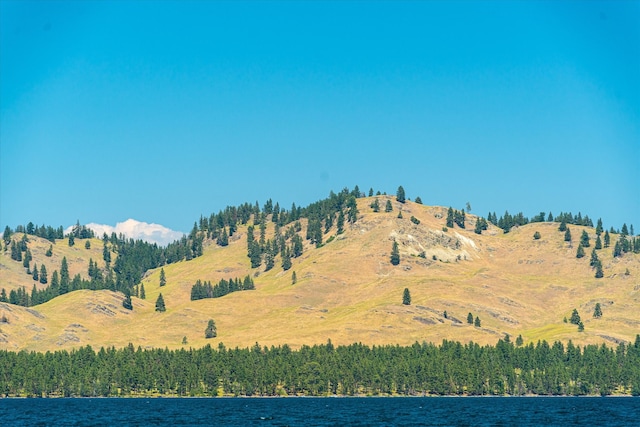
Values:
[(348, 291)]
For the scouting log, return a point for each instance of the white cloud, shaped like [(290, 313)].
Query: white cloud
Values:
[(152, 233)]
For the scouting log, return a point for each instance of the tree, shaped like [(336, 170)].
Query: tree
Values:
[(43, 274), (352, 210), (72, 240), (536, 235), (406, 297), (286, 259), (388, 207), (160, 303), (340, 223), (64, 276), (470, 319), (519, 341), (477, 322), (563, 225), (599, 273), (87, 244), (143, 294), (163, 278), (607, 239), (597, 311), (395, 254), (376, 205), (599, 227), (294, 278), (567, 235), (35, 272), (126, 302), (223, 239), (575, 317), (584, 239), (598, 243), (580, 251), (580, 326), (49, 251), (468, 206), (400, 196), (450, 218), (418, 200), (211, 331)]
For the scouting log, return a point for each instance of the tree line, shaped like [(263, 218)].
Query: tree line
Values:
[(450, 368), (201, 290)]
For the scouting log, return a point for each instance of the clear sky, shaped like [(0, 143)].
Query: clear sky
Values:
[(162, 111)]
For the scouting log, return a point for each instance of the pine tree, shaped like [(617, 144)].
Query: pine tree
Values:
[(49, 251), (580, 326), (72, 240), (584, 239), (598, 243), (477, 323), (143, 294), (537, 235), (388, 207), (567, 235), (126, 303), (163, 278), (594, 258), (575, 317), (580, 252), (418, 200), (450, 218), (406, 297), (470, 319), (352, 210), (519, 341), (211, 331), (340, 223), (563, 226), (35, 272), (294, 277), (223, 239), (43, 274), (286, 259), (599, 273), (376, 205), (395, 254), (597, 311), (607, 239), (599, 227), (400, 196), (160, 304), (64, 277)]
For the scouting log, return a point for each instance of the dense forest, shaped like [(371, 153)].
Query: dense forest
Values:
[(447, 369)]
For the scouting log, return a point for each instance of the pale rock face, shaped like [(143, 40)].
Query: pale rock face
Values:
[(152, 233)]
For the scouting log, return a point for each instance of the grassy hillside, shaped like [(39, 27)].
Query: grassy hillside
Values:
[(348, 291)]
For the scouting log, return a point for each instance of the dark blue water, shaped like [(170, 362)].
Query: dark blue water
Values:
[(434, 411)]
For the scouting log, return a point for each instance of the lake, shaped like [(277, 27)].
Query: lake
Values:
[(352, 411)]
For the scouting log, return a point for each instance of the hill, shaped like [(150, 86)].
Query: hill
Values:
[(348, 291)]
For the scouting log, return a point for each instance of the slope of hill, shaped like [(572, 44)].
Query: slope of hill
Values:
[(348, 291)]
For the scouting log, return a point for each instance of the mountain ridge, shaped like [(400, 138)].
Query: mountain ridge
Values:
[(348, 291)]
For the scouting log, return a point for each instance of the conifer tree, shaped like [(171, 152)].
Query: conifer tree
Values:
[(400, 196), (395, 254), (163, 278), (49, 251), (211, 331), (340, 223), (35, 272), (126, 303), (470, 319), (352, 210), (388, 207), (43, 274), (450, 217), (160, 303), (143, 294), (294, 277), (223, 239), (71, 240), (597, 311), (64, 277), (594, 258), (580, 326), (599, 227), (286, 259), (406, 297), (476, 322), (598, 243), (418, 200), (519, 340), (537, 235), (599, 273), (575, 317), (567, 235), (376, 205), (563, 225), (607, 239), (584, 239), (580, 251)]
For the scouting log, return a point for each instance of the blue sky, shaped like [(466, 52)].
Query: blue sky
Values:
[(163, 111)]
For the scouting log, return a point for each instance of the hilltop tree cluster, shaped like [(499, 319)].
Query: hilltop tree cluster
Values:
[(201, 290)]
